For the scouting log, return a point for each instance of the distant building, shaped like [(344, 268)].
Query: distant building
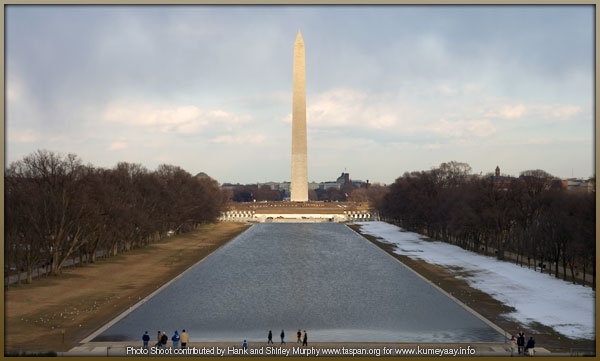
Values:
[(499, 181), (579, 185), (357, 183), (284, 187), (314, 185), (273, 185), (327, 185), (344, 179)]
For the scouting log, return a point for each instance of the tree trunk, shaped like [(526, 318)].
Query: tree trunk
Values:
[(29, 274), (54, 262), (572, 272), (520, 258), (92, 255), (500, 250)]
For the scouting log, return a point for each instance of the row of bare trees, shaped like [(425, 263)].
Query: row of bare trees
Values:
[(58, 209), (531, 219), (251, 192)]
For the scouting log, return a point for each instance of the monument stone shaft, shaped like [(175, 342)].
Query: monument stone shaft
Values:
[(299, 182)]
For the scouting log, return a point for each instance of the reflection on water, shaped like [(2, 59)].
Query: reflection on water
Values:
[(323, 278)]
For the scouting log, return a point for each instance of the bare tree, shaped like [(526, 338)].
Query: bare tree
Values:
[(529, 216), (58, 209)]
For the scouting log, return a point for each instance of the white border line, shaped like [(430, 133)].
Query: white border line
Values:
[(460, 303), (132, 308)]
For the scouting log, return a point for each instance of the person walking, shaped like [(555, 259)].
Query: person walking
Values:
[(513, 345), (185, 338), (530, 347), (299, 335), (521, 341), (282, 337), (146, 338), (270, 338), (305, 341), (245, 345), (175, 340)]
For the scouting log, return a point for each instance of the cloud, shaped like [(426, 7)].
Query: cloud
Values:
[(15, 90), (163, 158), (346, 107), (171, 119), (542, 111), (337, 107), (23, 136), (461, 112), (512, 112), (117, 145), (12, 94), (471, 88), (506, 111), (446, 90), (463, 128), (554, 140), (246, 139), (481, 128), (539, 141), (406, 113), (432, 146), (562, 112)]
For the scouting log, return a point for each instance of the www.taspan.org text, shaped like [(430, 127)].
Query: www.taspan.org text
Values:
[(301, 351)]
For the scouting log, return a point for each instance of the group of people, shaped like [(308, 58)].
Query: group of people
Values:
[(303, 340), (300, 339), (162, 339), (522, 347)]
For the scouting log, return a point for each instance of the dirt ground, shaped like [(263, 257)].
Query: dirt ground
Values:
[(85, 298), (484, 304)]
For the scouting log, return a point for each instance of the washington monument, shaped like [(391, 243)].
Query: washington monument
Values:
[(299, 183)]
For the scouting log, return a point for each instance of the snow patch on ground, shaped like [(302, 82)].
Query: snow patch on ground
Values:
[(536, 297)]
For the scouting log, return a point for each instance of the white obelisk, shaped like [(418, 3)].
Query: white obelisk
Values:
[(299, 186)]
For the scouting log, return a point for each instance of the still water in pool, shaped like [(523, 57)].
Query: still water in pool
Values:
[(319, 277)]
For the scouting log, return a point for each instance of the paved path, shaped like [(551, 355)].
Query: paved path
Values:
[(293, 349), (45, 269)]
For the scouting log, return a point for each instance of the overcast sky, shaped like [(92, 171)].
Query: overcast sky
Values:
[(389, 88)]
